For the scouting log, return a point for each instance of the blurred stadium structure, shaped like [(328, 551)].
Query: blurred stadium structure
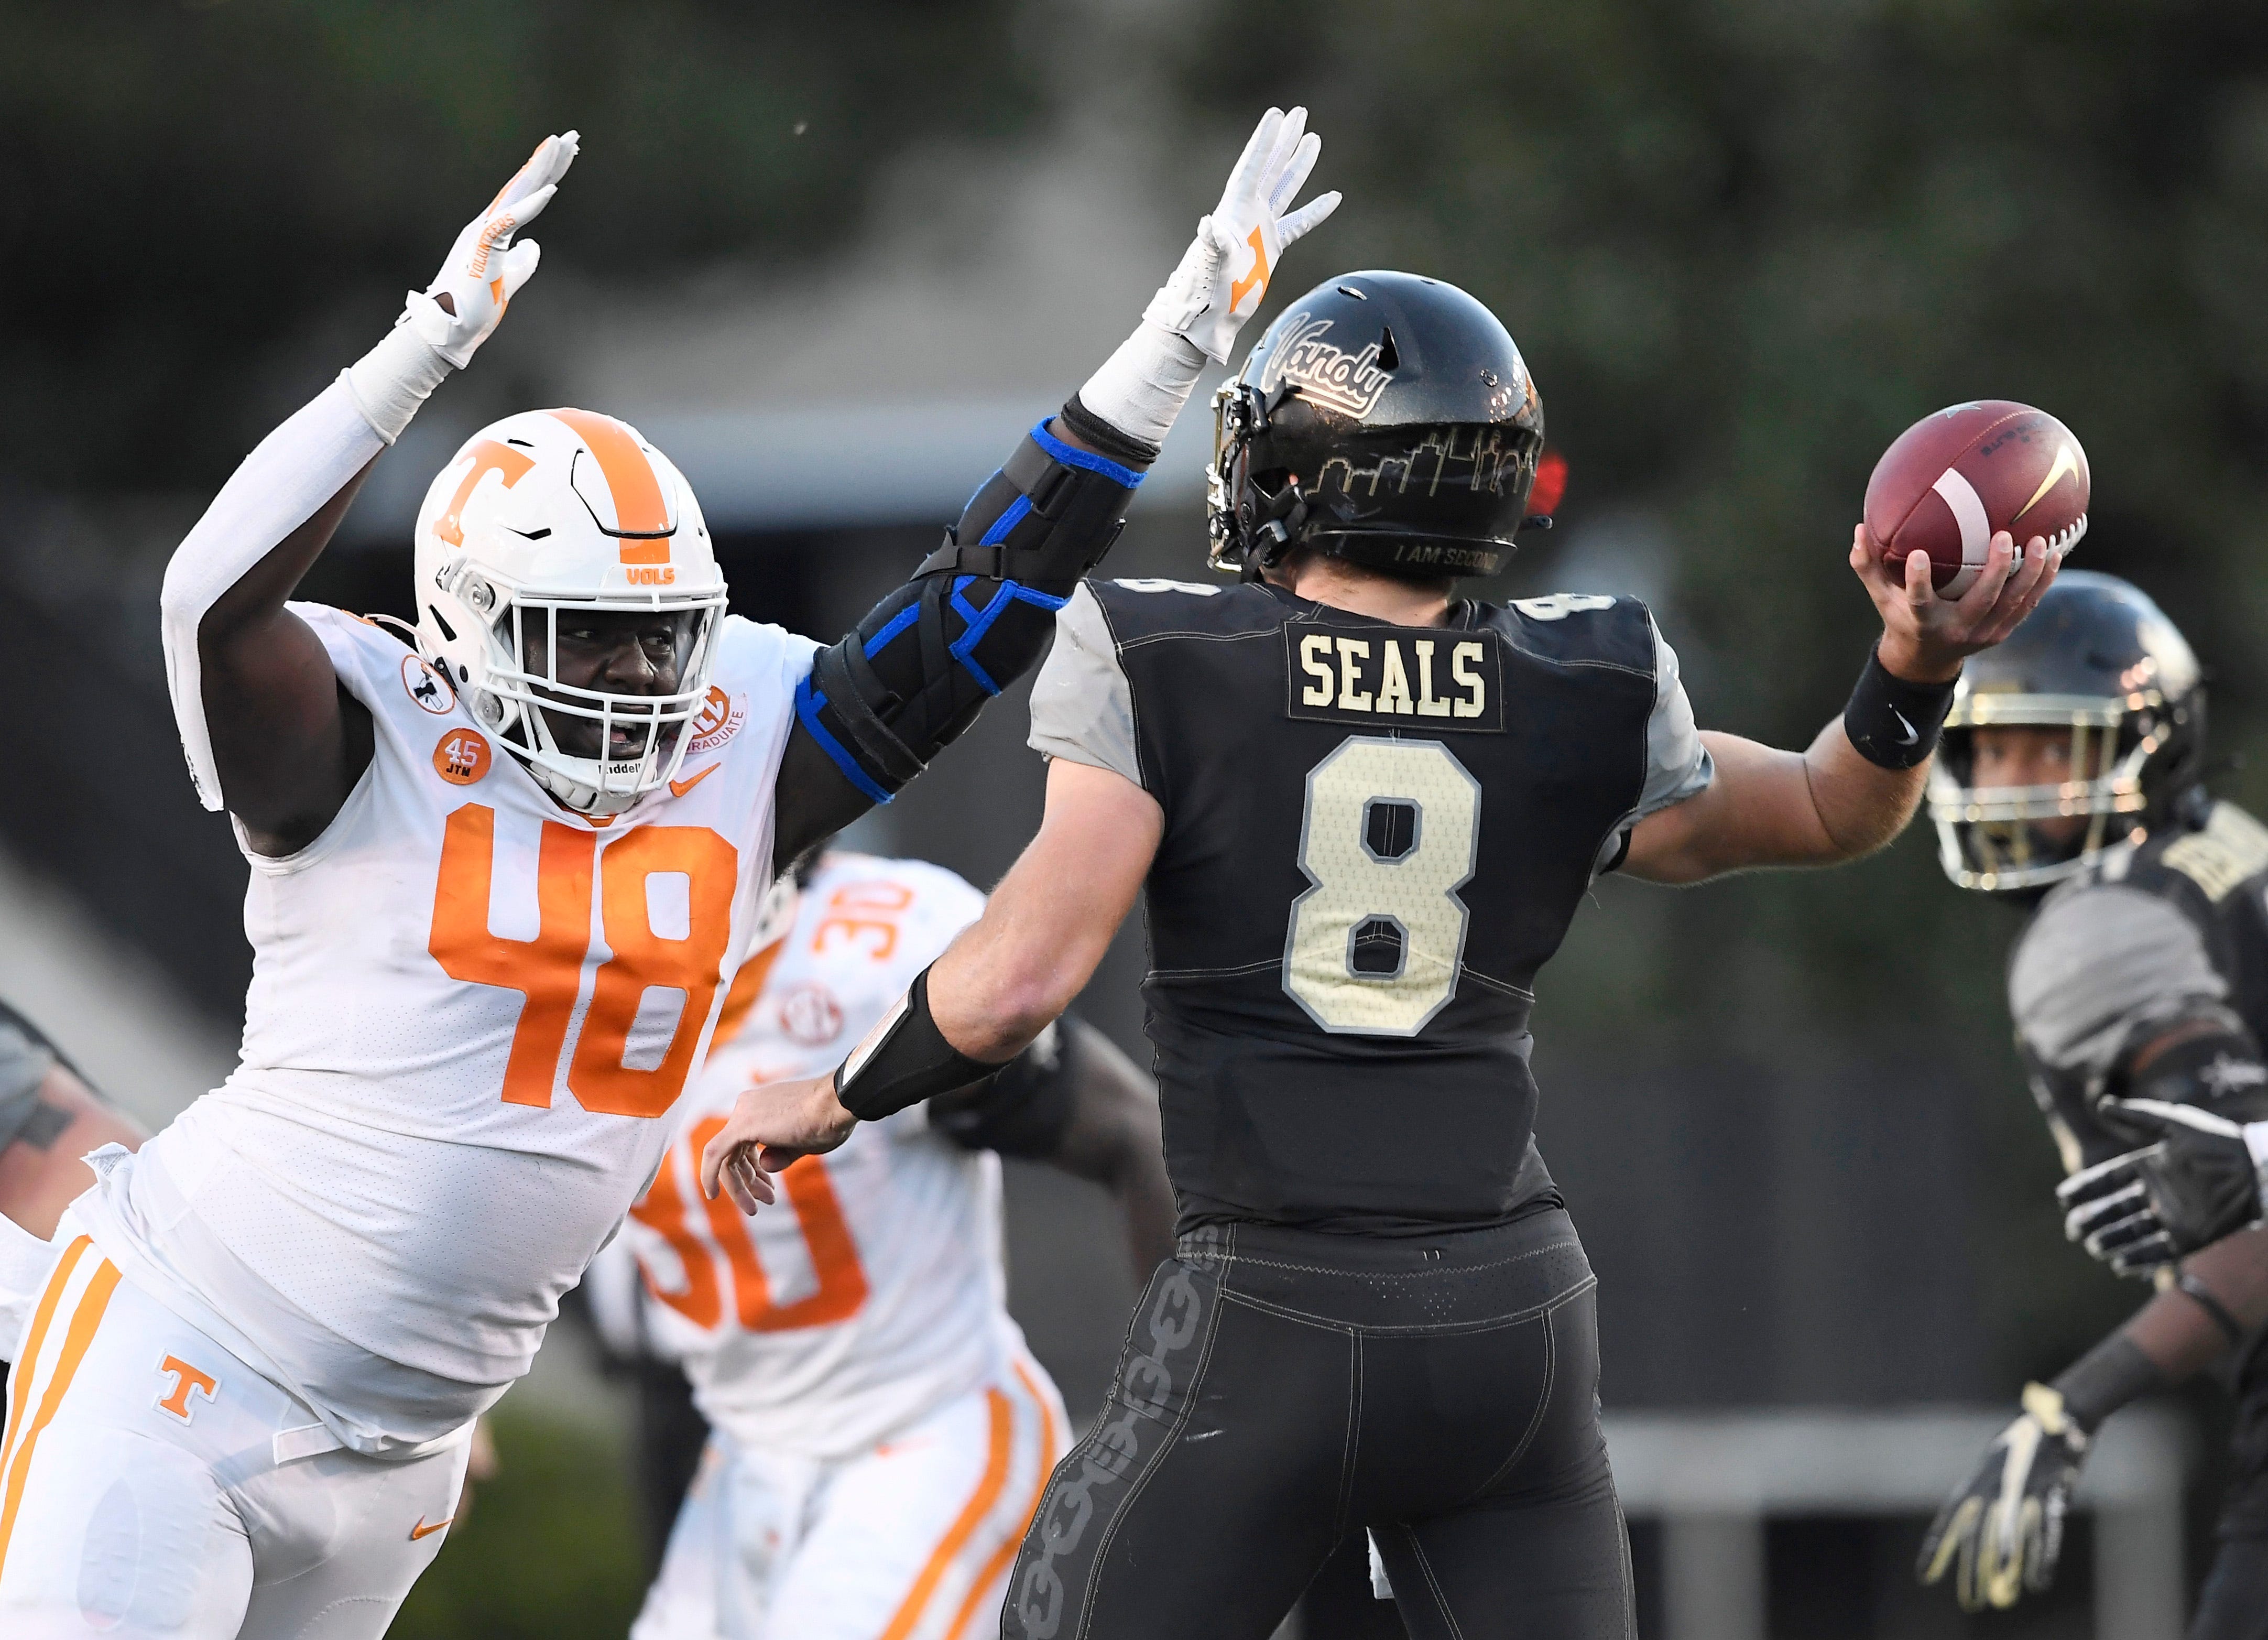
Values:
[(833, 262)]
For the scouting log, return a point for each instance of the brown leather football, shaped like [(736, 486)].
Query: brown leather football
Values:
[(1954, 478)]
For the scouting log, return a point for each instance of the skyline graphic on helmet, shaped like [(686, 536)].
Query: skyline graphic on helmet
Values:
[(1483, 467)]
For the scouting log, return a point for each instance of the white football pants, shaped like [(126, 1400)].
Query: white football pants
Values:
[(911, 1540), (153, 1487)]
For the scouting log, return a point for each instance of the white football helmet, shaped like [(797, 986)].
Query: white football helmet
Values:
[(559, 512)]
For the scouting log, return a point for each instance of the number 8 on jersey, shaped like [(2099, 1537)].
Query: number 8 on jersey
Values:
[(1390, 832)]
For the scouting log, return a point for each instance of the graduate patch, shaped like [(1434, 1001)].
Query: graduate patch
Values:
[(1427, 678)]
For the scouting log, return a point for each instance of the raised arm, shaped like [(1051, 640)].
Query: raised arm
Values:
[(267, 731), (1857, 785), (976, 613)]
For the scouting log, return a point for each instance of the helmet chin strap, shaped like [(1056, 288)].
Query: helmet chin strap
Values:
[(1275, 527)]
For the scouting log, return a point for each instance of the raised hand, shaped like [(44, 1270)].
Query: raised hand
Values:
[(1224, 272), (1925, 637), (485, 269), (2201, 1181), (772, 1125)]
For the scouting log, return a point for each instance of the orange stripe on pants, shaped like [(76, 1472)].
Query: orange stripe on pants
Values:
[(964, 1526), (84, 1320), (1000, 1557), (27, 1359)]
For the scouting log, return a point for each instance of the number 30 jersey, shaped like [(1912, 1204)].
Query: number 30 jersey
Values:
[(469, 1011), (873, 1291), (1375, 837)]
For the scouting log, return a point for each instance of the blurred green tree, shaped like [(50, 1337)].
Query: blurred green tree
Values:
[(184, 189)]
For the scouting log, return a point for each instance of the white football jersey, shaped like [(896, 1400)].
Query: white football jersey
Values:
[(873, 1289), (471, 1011)]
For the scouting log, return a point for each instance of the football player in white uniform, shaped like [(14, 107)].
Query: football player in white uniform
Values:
[(501, 868), (880, 1432)]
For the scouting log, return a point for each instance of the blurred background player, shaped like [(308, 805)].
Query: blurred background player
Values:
[(49, 1119), (2072, 782), (1363, 814), (475, 862), (880, 1431)]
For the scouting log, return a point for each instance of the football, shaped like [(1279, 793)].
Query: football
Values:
[(1955, 478)]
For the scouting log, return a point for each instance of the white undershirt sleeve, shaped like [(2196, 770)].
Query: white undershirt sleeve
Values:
[(280, 486)]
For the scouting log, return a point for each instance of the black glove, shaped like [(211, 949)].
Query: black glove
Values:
[(2200, 1181), (2002, 1531)]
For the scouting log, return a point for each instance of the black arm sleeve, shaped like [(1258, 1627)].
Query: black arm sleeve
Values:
[(973, 618), (2218, 1068), (1026, 1109)]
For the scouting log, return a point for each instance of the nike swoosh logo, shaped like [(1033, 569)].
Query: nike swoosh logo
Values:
[(2067, 460), (420, 1530), (678, 788), (1910, 736)]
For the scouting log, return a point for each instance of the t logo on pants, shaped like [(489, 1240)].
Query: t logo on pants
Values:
[(187, 1381)]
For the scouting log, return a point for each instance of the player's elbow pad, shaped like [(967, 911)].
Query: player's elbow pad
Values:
[(973, 618)]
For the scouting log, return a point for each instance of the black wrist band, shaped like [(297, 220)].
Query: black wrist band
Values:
[(907, 1061), (2199, 1294), (1107, 440), (1893, 723), (2105, 1378)]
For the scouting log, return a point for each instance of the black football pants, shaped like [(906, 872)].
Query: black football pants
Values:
[(1279, 1388), (2234, 1603)]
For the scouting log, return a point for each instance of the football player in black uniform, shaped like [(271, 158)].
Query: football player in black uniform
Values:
[(1365, 813), (2072, 778)]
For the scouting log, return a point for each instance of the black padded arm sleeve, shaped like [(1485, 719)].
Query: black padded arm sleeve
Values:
[(973, 618)]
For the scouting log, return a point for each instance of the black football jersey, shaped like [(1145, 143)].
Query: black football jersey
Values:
[(1375, 837), (2215, 876), (2174, 928)]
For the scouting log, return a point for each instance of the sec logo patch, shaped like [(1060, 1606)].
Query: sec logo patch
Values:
[(810, 1014), (428, 688), (462, 756)]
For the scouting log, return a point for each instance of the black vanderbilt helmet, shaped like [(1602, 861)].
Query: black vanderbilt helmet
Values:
[(2099, 660), (1384, 418)]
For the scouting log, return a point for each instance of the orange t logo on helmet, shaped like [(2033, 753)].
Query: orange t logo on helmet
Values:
[(489, 456)]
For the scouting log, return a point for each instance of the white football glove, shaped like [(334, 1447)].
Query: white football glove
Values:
[(484, 269), (1224, 273)]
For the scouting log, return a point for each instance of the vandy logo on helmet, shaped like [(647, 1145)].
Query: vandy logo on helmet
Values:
[(542, 517), (1348, 383)]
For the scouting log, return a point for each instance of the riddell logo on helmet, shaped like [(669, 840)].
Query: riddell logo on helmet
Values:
[(1350, 383)]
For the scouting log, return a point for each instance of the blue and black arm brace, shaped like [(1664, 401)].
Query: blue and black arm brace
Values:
[(971, 620)]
